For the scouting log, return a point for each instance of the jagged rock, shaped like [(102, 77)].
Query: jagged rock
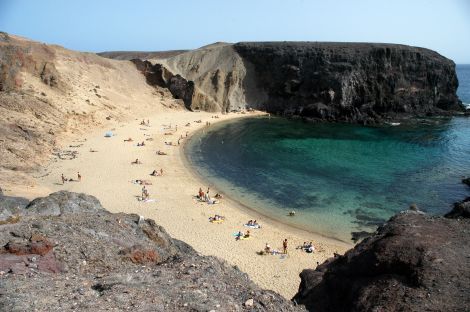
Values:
[(63, 202), (460, 210), (158, 75), (68, 253), (414, 262), (11, 206), (466, 181)]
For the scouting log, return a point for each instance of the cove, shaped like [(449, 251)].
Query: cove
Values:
[(339, 178)]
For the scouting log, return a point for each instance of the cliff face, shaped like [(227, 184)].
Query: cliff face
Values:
[(352, 82), (66, 252), (414, 263)]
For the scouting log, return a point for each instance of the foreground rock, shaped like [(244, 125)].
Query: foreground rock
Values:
[(414, 263), (65, 252)]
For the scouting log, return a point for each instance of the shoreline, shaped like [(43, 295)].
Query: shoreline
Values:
[(245, 208), (107, 175)]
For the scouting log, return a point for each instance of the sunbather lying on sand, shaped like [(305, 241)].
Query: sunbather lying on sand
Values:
[(141, 182), (253, 224), (128, 140), (216, 218), (161, 153), (168, 143)]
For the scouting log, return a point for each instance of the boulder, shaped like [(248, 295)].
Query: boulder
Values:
[(63, 202), (414, 262), (460, 210)]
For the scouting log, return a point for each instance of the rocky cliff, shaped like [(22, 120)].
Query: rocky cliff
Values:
[(65, 252), (351, 82), (414, 262)]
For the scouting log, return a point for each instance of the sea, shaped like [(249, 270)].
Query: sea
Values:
[(338, 178)]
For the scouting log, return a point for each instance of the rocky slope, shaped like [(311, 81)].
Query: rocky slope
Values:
[(352, 82), (129, 55), (48, 92), (414, 262), (65, 252)]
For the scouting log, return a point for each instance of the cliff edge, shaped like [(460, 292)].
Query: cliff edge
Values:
[(349, 82), (414, 262), (66, 252)]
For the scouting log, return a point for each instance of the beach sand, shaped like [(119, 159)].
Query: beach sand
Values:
[(107, 174)]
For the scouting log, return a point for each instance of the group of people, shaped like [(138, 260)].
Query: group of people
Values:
[(143, 123), (216, 218), (64, 179), (307, 247), (253, 223), (155, 173), (271, 251), (206, 197), (240, 235)]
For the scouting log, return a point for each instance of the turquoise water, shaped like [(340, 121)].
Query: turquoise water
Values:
[(339, 178)]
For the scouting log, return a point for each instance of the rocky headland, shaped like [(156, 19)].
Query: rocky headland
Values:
[(66, 252), (414, 262), (348, 82)]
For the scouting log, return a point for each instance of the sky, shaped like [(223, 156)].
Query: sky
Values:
[(145, 25)]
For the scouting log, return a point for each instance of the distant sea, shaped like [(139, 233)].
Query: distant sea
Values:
[(339, 178)]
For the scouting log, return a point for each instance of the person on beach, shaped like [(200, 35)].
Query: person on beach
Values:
[(79, 176), (128, 140), (200, 194), (154, 173), (63, 179), (284, 246), (218, 196), (239, 235), (247, 234), (161, 171), (161, 153), (267, 249), (136, 162)]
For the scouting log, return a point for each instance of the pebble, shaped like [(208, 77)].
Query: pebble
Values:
[(249, 303)]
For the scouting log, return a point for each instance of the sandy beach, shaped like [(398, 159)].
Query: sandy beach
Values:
[(105, 166)]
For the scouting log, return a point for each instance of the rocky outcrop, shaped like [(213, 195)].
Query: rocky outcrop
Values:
[(17, 57), (351, 82), (460, 210), (65, 252), (414, 262), (158, 75)]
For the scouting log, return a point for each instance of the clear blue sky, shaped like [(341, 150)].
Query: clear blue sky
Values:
[(101, 25)]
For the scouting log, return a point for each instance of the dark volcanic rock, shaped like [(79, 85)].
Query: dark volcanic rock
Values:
[(158, 75), (68, 253), (460, 210), (414, 263), (63, 202), (352, 82)]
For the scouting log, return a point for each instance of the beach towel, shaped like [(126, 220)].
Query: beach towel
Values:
[(216, 221), (253, 226)]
